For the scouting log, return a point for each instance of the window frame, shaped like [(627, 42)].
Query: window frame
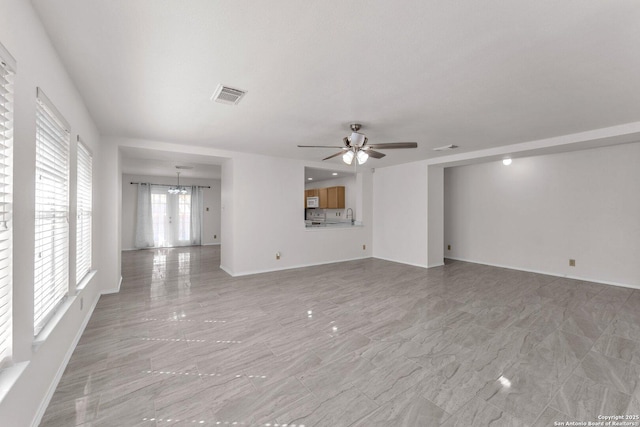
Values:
[(8, 71), (84, 212), (51, 234)]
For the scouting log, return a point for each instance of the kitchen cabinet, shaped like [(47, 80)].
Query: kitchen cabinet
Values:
[(328, 198), (322, 195), (335, 197)]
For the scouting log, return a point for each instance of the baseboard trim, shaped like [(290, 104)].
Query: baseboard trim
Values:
[(211, 244), (249, 273), (113, 291), (402, 262), (227, 270), (547, 273), (42, 408)]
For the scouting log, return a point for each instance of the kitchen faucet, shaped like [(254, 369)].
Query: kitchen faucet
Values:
[(352, 220)]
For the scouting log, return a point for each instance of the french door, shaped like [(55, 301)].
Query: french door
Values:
[(171, 215)]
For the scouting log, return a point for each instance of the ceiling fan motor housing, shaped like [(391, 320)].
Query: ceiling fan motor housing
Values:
[(357, 139)]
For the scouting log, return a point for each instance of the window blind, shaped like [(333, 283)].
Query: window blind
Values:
[(51, 270), (83, 227), (7, 71)]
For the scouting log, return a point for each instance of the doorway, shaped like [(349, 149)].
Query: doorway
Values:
[(172, 218)]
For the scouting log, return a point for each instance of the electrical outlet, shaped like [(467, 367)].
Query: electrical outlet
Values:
[(572, 263), (448, 247), (215, 236), (364, 247), (277, 255)]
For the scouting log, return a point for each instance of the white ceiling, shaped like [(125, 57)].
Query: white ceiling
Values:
[(478, 74), (317, 174)]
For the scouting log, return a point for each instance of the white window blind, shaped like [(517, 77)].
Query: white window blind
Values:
[(83, 228), (7, 71), (51, 275)]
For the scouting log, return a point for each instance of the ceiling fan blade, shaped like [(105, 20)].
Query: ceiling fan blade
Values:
[(320, 146), (388, 145), (334, 155), (375, 154)]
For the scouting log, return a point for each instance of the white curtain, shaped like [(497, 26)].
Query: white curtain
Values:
[(144, 222), (196, 215)]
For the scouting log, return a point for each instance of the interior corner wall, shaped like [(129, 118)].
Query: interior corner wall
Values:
[(435, 220), (539, 212), (227, 222), (38, 65), (400, 195), (211, 200)]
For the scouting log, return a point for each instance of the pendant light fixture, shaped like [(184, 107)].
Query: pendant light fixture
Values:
[(178, 189)]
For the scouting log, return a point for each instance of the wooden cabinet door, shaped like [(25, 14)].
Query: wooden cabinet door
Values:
[(323, 202), (340, 198), (335, 197), (332, 196)]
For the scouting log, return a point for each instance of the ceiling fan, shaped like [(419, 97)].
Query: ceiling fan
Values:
[(356, 145)]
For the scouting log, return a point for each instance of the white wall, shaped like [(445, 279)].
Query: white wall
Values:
[(400, 213), (435, 213), (541, 211), (211, 199), (39, 367), (267, 206)]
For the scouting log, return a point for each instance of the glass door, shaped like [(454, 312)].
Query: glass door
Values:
[(171, 214)]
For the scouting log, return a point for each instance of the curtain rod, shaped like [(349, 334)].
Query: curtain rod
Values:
[(171, 185)]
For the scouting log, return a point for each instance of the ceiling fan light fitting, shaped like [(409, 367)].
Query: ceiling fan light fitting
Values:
[(362, 157), (348, 157)]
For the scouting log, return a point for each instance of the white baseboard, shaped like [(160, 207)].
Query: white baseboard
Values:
[(566, 276), (211, 244), (54, 384), (226, 270), (113, 291), (248, 273), (402, 262)]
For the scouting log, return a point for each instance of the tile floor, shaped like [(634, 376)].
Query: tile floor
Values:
[(362, 343)]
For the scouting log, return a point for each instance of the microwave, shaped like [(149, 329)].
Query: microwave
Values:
[(313, 202)]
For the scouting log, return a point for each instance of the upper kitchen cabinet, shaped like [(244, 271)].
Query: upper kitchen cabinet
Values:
[(328, 198), (323, 198), (335, 197)]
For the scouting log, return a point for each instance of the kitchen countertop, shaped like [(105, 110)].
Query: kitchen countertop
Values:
[(321, 225)]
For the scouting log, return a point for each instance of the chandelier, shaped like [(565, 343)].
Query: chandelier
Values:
[(178, 189)]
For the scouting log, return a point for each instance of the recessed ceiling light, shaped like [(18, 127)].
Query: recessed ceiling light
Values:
[(335, 174), (309, 179), (506, 161)]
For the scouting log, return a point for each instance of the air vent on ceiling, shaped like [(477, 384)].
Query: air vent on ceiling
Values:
[(228, 95), (446, 147), (184, 167)]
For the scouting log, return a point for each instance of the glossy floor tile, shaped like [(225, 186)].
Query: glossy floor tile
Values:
[(359, 343)]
